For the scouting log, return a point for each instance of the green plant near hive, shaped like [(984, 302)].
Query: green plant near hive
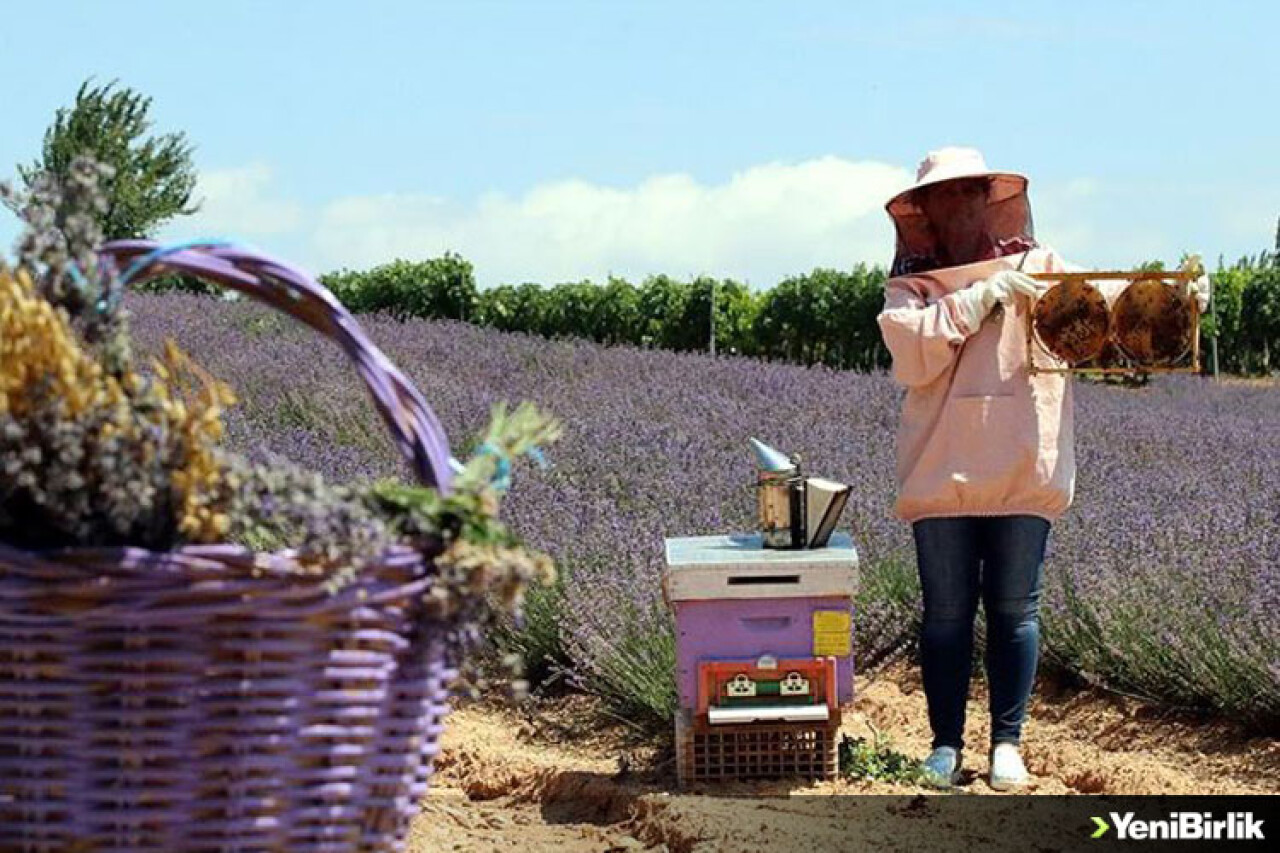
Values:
[(876, 760)]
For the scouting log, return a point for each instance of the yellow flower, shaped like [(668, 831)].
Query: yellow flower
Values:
[(45, 366)]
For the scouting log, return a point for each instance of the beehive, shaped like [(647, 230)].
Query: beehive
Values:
[(735, 601)]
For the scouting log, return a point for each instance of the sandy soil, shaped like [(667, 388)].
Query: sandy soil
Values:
[(553, 776)]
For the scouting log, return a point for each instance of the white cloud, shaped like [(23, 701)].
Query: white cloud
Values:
[(1119, 224), (236, 203), (759, 225), (763, 223)]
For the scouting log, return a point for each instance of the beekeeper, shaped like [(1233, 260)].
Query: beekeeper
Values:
[(985, 450)]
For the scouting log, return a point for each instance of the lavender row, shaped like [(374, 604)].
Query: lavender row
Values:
[(1163, 579)]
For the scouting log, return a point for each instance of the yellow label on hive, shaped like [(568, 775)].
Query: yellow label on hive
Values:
[(832, 633)]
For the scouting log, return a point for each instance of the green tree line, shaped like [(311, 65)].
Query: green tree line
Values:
[(825, 316), (1246, 315)]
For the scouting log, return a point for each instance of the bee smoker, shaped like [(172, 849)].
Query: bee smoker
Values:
[(780, 498)]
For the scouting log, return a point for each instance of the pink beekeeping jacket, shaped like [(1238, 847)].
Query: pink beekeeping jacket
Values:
[(979, 435)]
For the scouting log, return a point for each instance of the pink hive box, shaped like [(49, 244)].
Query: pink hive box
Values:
[(733, 599)]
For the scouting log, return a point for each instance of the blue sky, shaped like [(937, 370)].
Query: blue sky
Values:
[(555, 141)]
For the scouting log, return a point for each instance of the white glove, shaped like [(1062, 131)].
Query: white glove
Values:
[(1200, 288), (976, 301)]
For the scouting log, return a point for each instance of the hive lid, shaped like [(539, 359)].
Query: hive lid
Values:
[(739, 566)]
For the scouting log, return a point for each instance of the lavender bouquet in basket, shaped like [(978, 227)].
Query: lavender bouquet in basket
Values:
[(198, 652)]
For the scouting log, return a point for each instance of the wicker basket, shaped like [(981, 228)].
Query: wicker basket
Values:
[(179, 702)]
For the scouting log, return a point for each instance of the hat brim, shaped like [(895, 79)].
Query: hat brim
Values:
[(1006, 186)]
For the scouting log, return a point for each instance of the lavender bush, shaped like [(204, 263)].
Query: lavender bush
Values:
[(1163, 579)]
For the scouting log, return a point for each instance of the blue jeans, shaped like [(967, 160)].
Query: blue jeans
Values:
[(1001, 559)]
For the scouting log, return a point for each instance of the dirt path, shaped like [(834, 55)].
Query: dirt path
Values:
[(552, 777)]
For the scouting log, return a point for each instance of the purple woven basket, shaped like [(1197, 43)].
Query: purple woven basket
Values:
[(178, 702)]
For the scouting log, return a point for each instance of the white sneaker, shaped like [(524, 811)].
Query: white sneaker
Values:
[(1007, 770), (942, 768)]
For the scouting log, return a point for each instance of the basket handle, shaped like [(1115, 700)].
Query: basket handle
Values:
[(416, 430)]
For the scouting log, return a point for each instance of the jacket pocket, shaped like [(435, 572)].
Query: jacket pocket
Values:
[(982, 438)]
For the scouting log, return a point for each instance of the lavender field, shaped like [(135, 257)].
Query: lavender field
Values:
[(1163, 579)]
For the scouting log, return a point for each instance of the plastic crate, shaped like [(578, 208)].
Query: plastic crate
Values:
[(733, 753)]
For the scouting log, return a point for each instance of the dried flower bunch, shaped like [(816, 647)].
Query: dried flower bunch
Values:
[(58, 247), (95, 451), (95, 454)]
